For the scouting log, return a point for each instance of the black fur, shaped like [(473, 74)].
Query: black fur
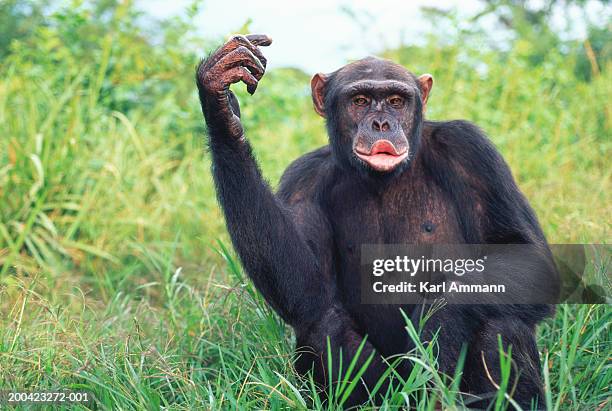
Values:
[(301, 246)]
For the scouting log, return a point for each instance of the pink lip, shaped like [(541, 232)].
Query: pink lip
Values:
[(383, 156)]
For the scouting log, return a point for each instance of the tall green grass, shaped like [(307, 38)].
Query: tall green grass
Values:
[(112, 276)]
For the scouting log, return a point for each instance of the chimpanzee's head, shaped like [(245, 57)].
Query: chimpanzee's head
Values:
[(374, 110)]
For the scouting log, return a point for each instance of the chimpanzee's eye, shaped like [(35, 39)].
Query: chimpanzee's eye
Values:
[(396, 101), (361, 100)]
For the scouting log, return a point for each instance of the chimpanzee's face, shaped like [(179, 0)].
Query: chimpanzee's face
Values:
[(379, 114), (374, 113)]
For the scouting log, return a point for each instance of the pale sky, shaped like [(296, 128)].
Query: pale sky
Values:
[(317, 35)]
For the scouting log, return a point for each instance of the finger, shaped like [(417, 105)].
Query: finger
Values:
[(239, 40), (231, 45), (237, 74), (255, 50), (259, 39), (242, 57)]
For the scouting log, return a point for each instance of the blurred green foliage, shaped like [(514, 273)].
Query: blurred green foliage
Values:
[(105, 190)]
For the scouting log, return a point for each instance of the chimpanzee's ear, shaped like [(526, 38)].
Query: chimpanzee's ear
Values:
[(317, 85), (426, 82)]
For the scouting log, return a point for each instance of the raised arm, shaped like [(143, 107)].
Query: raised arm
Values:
[(272, 250)]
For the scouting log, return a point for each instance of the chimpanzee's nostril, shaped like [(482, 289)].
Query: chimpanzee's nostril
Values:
[(380, 125)]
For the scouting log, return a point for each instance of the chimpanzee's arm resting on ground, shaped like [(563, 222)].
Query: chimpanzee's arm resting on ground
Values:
[(476, 173)]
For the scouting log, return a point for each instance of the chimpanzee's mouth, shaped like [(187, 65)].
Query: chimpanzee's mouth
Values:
[(383, 156)]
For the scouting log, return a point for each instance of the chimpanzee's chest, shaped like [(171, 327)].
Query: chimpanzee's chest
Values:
[(409, 212)]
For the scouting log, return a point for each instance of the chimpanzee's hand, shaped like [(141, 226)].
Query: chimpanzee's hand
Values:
[(237, 60)]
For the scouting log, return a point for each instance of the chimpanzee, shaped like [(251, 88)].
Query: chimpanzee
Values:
[(387, 176)]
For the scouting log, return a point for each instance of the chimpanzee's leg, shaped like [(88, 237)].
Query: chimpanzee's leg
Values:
[(482, 366), (337, 328)]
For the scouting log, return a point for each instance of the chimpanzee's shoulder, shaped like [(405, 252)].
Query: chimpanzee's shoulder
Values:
[(460, 140), (305, 175)]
